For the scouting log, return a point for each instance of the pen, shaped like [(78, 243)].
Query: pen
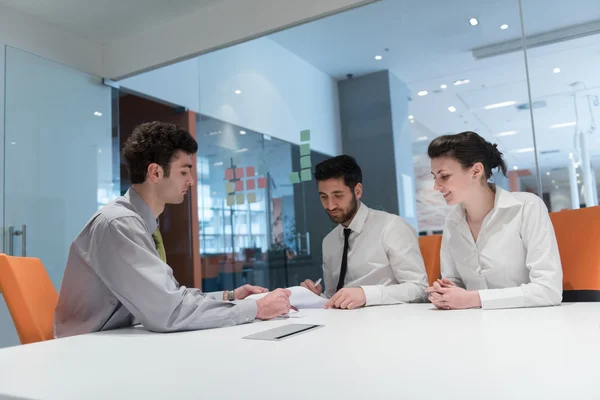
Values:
[(294, 308), (318, 281)]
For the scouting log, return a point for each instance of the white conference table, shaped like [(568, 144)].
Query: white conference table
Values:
[(391, 352)]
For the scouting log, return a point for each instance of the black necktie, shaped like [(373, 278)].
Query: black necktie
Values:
[(344, 267)]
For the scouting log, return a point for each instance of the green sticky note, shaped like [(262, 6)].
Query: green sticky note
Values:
[(305, 149), (306, 175), (240, 199), (305, 135), (305, 162), (229, 187), (294, 178), (251, 198), (230, 200)]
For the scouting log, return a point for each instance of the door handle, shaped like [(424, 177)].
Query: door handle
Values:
[(11, 241)]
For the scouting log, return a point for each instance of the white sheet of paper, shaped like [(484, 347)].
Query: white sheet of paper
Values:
[(300, 298)]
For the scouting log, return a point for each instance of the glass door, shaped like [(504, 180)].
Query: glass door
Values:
[(58, 161)]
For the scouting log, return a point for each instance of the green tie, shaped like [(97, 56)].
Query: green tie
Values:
[(160, 246)]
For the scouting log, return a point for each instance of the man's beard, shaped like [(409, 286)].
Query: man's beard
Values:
[(345, 215)]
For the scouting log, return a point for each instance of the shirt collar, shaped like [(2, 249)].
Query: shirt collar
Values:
[(142, 209), (502, 199), (358, 221)]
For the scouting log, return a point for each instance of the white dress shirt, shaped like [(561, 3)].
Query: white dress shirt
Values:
[(515, 261), (383, 258)]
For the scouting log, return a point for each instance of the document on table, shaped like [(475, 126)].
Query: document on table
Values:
[(301, 298)]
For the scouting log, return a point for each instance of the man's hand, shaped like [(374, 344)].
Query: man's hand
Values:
[(246, 290), (447, 296), (310, 285), (347, 298), (274, 304)]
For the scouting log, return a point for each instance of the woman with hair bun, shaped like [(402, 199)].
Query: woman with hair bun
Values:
[(498, 248)]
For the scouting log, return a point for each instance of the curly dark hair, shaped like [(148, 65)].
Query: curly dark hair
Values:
[(155, 142)]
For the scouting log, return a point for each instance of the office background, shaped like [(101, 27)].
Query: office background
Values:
[(378, 82)]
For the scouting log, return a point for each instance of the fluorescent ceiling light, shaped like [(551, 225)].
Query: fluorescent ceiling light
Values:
[(473, 22), (507, 133), (504, 26), (452, 109), (444, 86), (421, 138), (241, 150), (461, 82), (500, 105), (242, 132), (238, 92), (516, 168), (525, 150), (218, 164), (378, 58), (563, 125), (422, 93), (97, 114), (556, 70), (537, 40)]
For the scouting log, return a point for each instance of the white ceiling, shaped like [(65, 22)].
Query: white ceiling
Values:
[(430, 46), (107, 20)]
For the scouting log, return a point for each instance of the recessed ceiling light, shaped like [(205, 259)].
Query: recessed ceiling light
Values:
[(218, 164), (461, 82), (241, 150), (422, 93), (504, 26), (452, 109), (516, 168), (563, 125), (411, 117), (548, 173), (577, 175), (97, 113), (238, 91), (556, 70), (378, 58), (473, 22), (444, 86), (421, 138), (499, 105), (525, 150), (507, 133), (242, 132)]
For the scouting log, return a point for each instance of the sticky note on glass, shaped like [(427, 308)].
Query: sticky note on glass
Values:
[(239, 173), (262, 183), (228, 174), (239, 186), (305, 149), (229, 187), (239, 198), (251, 198), (250, 172), (305, 162), (294, 178), (305, 135), (250, 184), (306, 175), (230, 200)]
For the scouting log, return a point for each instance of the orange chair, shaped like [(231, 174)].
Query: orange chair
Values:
[(578, 237), (30, 297), (430, 250)]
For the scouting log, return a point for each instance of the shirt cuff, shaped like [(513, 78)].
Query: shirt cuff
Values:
[(373, 295), (502, 298), (246, 311), (215, 295)]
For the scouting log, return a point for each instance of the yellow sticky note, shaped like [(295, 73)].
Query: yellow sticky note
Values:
[(229, 187), (251, 198), (230, 200), (240, 199)]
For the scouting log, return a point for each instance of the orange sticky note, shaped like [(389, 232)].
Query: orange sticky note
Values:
[(250, 172), (239, 186), (239, 173), (228, 174), (250, 184), (262, 183)]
